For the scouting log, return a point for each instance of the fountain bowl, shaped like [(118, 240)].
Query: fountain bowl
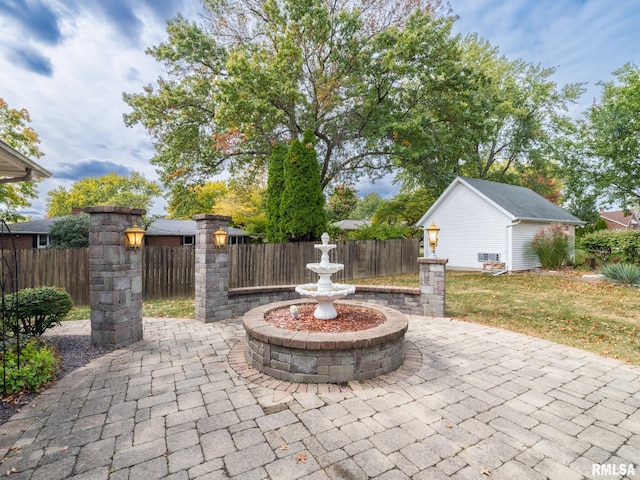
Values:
[(320, 357)]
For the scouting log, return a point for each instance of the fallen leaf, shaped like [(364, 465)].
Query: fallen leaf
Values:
[(284, 446), (449, 425), (301, 457), (13, 470), (485, 471)]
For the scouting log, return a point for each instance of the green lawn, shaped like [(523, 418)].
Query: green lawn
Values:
[(598, 317)]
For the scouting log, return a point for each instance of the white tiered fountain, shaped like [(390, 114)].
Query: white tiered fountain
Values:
[(325, 291)]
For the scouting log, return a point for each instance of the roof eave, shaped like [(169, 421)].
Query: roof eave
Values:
[(550, 220)]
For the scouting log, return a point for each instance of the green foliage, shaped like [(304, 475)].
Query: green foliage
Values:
[(275, 187), (611, 137), (505, 123), (302, 203), (111, 189), (551, 245), (185, 202), (598, 224), (622, 273), (342, 202), (609, 244), (39, 364), (257, 73), (70, 232), (405, 209), (15, 133), (367, 206), (37, 309), (380, 231)]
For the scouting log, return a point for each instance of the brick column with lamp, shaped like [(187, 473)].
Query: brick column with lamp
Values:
[(211, 269)]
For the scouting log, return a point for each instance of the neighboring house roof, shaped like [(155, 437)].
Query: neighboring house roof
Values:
[(15, 167), (619, 218), (518, 203), (34, 227), (168, 226), (161, 226), (348, 225)]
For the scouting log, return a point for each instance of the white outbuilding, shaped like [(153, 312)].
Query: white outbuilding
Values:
[(488, 223)]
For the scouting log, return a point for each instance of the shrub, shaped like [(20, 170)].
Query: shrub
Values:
[(70, 232), (381, 231), (622, 273), (37, 309), (39, 364), (551, 245), (605, 244)]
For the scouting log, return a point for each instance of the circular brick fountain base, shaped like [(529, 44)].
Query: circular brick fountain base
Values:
[(315, 357)]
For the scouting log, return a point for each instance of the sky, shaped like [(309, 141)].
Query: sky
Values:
[(67, 62)]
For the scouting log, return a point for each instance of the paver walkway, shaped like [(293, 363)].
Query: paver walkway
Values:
[(483, 404)]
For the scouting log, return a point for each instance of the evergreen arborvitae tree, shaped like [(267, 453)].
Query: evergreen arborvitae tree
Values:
[(275, 186), (302, 213)]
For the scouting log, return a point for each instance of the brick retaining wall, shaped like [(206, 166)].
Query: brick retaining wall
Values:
[(404, 299)]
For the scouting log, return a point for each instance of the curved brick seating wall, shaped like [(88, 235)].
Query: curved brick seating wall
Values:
[(315, 357), (407, 300)]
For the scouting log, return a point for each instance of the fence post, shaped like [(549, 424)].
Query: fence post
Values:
[(211, 270), (115, 277), (433, 285)]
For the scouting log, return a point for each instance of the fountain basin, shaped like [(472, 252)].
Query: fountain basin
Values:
[(315, 357)]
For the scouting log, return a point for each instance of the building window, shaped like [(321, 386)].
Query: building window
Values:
[(188, 240), (488, 257), (43, 240)]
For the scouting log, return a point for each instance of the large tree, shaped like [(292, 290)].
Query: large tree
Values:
[(110, 189), (611, 140), (184, 203), (16, 133), (508, 123), (257, 72)]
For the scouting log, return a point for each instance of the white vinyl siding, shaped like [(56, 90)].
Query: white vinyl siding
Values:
[(469, 225), (523, 257)]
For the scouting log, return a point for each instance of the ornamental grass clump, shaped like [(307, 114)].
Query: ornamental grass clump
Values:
[(551, 245), (626, 274)]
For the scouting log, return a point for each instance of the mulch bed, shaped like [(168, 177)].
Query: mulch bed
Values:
[(349, 319)]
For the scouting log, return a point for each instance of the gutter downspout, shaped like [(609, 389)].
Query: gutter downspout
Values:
[(508, 264), (25, 178)]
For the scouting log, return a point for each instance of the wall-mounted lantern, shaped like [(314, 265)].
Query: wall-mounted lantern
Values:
[(220, 238), (135, 236), (432, 238)]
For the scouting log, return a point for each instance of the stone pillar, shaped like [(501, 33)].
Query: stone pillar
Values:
[(433, 285), (212, 270), (115, 277)]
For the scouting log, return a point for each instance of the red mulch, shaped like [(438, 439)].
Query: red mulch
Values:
[(349, 319)]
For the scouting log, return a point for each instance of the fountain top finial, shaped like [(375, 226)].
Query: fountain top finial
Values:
[(325, 238)]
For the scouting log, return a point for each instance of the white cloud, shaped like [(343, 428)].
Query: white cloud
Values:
[(96, 52)]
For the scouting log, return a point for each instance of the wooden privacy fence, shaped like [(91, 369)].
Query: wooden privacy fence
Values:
[(169, 272), (286, 263)]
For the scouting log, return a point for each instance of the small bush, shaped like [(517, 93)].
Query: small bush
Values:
[(622, 273), (38, 309), (607, 244), (381, 231), (39, 364), (551, 245)]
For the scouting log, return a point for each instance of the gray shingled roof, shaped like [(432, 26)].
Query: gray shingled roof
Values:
[(161, 226), (521, 202)]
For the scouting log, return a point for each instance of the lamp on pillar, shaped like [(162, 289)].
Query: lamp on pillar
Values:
[(220, 238), (134, 235), (432, 238)]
